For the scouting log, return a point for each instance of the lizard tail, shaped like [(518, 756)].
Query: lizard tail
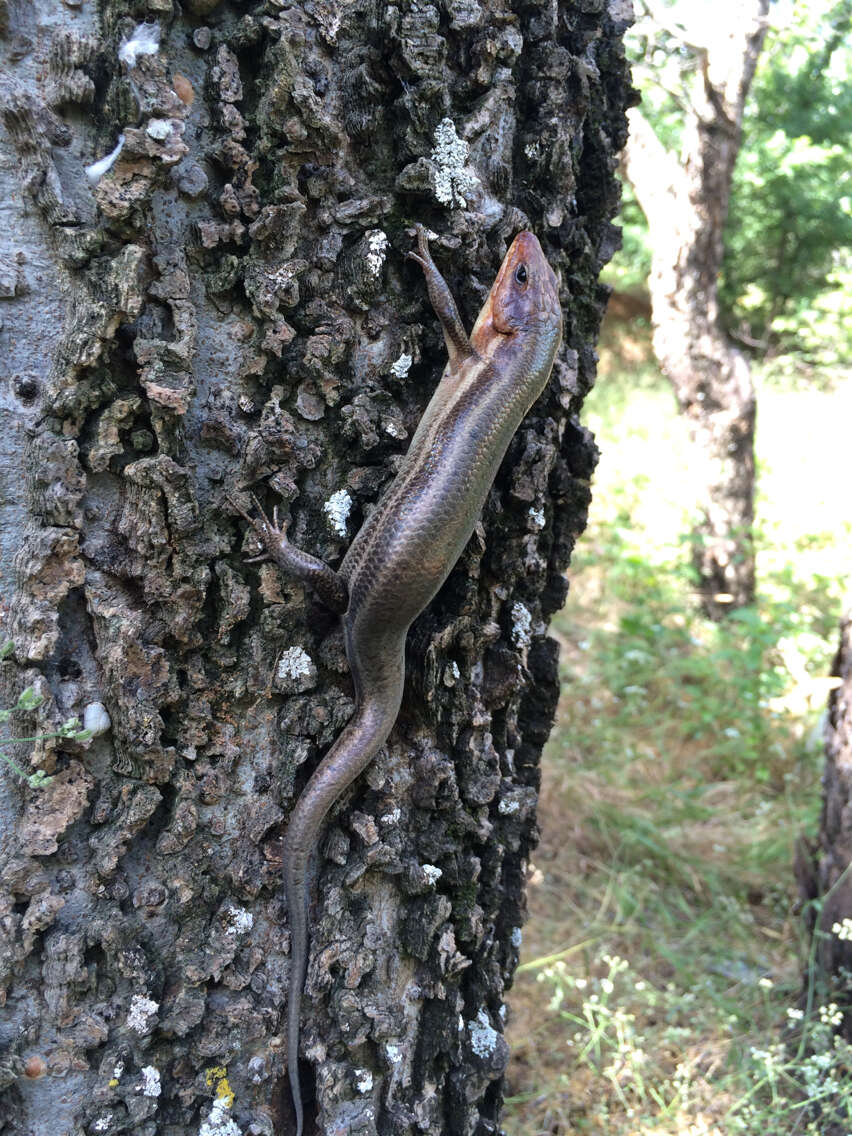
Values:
[(362, 737)]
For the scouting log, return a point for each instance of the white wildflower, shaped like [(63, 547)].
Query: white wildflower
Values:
[(830, 1015)]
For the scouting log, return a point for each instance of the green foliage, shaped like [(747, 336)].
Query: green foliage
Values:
[(787, 271), (29, 700), (789, 236), (661, 662)]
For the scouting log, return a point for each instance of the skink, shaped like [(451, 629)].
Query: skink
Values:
[(413, 538)]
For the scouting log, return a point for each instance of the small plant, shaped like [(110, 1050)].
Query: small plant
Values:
[(28, 700), (644, 1045)]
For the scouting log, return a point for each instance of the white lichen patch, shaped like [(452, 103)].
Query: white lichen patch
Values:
[(537, 517), (508, 806), (239, 920), (393, 817), (400, 367), (377, 251), (102, 1123), (337, 509), (161, 128), (394, 1053), (483, 1036), (394, 430), (452, 178), (96, 171), (517, 937), (621, 11), (151, 1086), (363, 1080), (521, 625), (329, 23), (281, 277), (431, 873), (144, 40), (142, 1010), (118, 1071), (219, 1122), (295, 663)]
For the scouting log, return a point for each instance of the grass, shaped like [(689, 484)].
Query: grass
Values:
[(662, 964)]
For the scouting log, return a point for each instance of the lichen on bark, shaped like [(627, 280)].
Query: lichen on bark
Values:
[(229, 306)]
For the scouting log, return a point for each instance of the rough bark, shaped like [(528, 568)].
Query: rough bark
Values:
[(229, 305), (685, 200), (824, 870)]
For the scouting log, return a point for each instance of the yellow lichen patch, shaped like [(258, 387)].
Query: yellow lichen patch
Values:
[(112, 1082), (224, 1092), (217, 1075)]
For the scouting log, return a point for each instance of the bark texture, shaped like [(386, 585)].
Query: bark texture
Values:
[(685, 200), (829, 877), (823, 869), (229, 305)]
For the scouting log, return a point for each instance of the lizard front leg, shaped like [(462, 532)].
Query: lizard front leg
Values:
[(441, 298), (328, 584)]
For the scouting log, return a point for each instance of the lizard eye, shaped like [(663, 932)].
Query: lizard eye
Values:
[(521, 274)]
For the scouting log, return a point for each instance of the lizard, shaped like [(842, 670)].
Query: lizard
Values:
[(412, 539)]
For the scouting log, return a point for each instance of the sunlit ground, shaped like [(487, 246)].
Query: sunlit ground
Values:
[(663, 956)]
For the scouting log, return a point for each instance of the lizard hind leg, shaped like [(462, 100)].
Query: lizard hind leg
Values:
[(328, 584)]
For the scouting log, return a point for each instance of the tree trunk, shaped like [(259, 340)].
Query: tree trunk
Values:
[(229, 305), (830, 879), (685, 200), (824, 874)]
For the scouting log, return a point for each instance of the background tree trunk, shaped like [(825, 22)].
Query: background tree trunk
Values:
[(824, 871), (229, 305), (824, 874), (685, 200)]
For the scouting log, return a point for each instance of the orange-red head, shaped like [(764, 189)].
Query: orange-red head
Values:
[(525, 293)]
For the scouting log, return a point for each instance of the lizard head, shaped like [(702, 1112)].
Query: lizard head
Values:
[(525, 293)]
